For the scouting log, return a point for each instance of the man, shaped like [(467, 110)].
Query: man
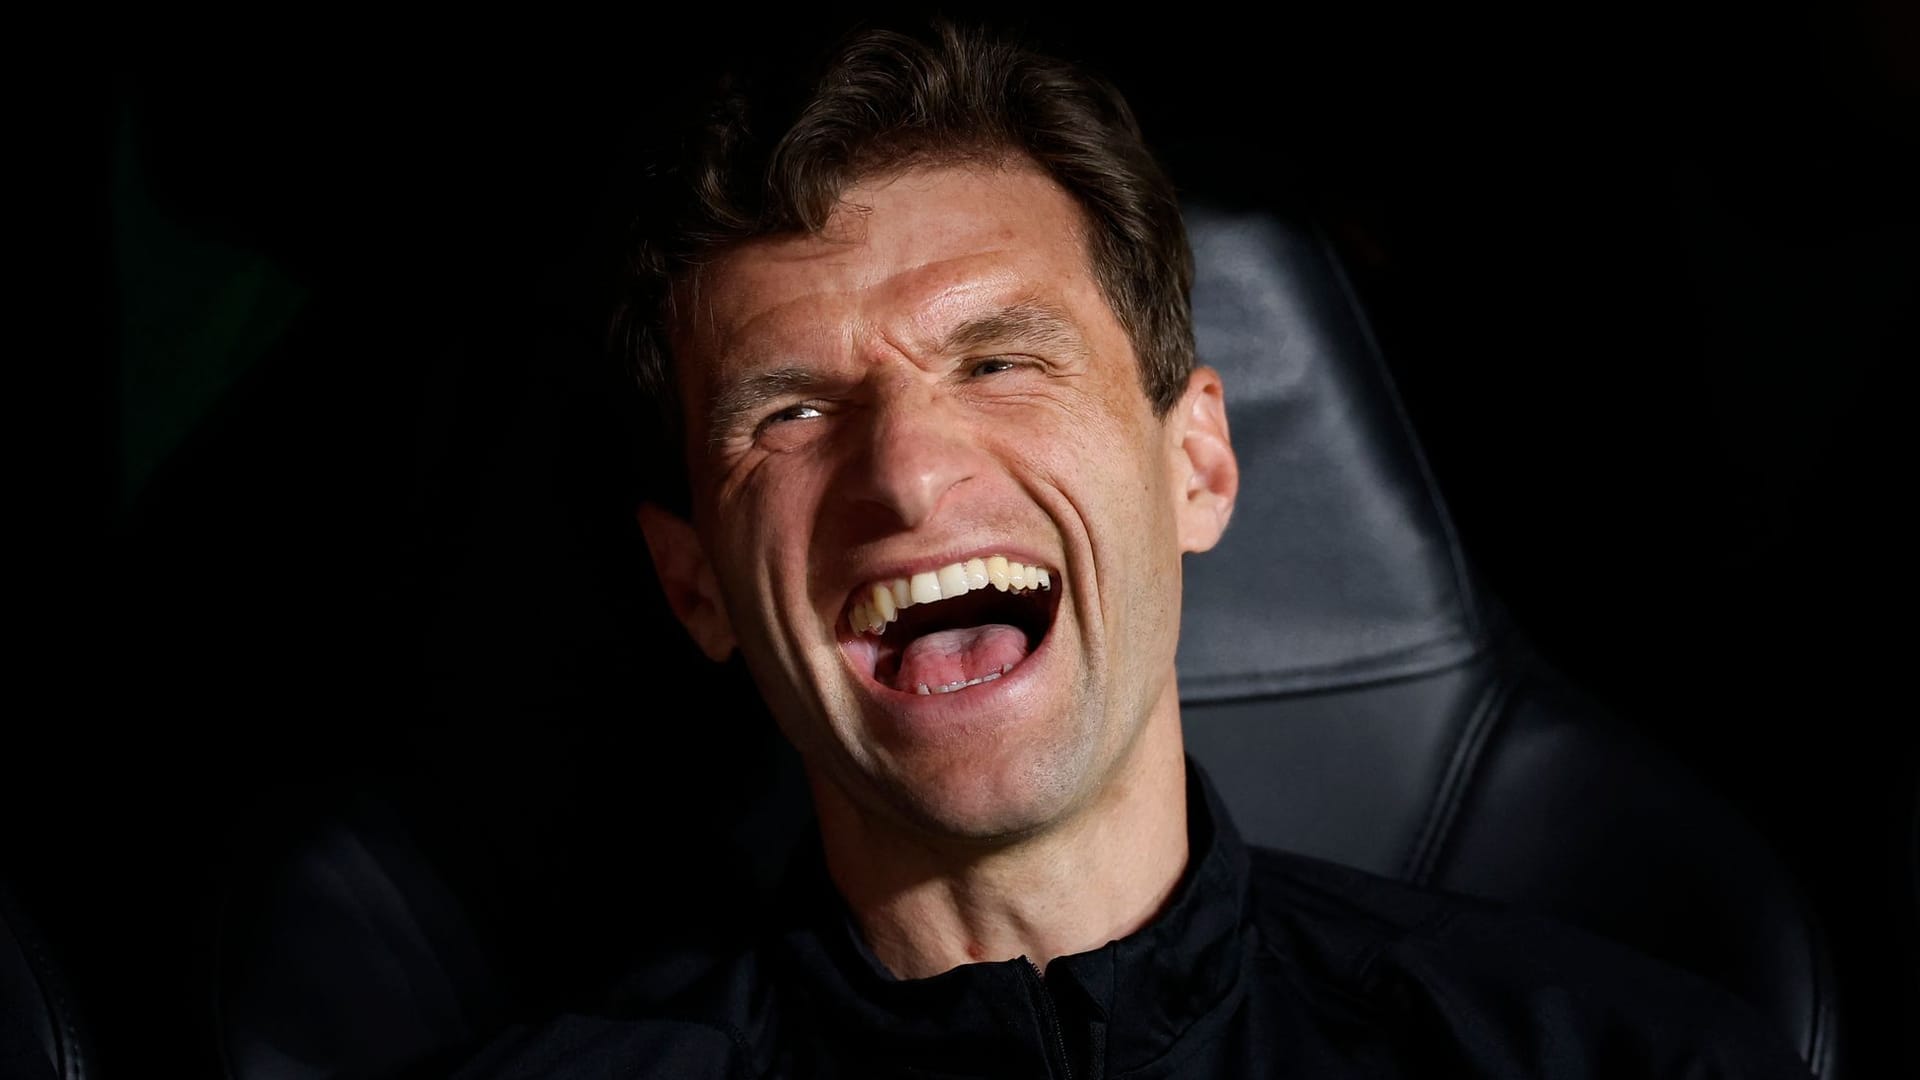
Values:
[(920, 327)]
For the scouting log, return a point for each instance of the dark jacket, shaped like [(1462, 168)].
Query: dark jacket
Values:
[(1263, 964)]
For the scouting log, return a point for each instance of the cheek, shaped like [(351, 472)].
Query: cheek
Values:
[(1108, 461), (749, 559), (1103, 471), (777, 517), (759, 501)]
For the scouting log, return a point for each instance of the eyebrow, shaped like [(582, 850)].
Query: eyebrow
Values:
[(1025, 322), (747, 396)]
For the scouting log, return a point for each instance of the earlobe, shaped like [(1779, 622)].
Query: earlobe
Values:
[(1207, 471), (686, 577)]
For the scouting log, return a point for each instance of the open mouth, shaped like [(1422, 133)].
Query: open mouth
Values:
[(943, 631)]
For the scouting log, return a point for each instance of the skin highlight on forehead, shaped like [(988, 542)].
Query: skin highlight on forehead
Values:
[(849, 229)]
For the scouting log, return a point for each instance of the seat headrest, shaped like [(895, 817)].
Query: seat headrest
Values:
[(1340, 565)]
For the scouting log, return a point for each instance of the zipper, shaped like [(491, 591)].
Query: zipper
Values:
[(1052, 1017)]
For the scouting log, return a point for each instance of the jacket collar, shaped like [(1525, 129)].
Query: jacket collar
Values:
[(1130, 1002)]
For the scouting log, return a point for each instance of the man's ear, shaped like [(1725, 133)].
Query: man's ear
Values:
[(1206, 474), (687, 579)]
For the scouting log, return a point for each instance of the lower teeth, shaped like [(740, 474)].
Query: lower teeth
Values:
[(952, 686)]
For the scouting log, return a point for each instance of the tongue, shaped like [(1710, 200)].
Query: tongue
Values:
[(946, 657)]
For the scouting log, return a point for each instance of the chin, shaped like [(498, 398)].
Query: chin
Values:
[(990, 794)]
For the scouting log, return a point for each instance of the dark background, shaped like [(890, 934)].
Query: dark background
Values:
[(357, 483)]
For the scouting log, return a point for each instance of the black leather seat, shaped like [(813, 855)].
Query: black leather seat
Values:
[(346, 953), (1356, 698), (1352, 694), (41, 1037)]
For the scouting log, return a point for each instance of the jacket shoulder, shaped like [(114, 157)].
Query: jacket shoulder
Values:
[(1499, 987)]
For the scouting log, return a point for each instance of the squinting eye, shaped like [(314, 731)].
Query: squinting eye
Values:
[(993, 367), (794, 412)]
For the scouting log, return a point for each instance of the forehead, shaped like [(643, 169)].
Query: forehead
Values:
[(903, 256)]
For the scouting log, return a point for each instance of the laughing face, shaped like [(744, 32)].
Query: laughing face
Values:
[(933, 506)]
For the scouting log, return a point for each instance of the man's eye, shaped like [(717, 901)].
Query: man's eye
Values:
[(794, 412), (993, 366)]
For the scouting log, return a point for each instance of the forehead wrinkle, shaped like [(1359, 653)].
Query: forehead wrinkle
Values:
[(1026, 320), (768, 263), (943, 305), (917, 293)]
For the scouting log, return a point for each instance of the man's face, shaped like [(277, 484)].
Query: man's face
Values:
[(876, 416)]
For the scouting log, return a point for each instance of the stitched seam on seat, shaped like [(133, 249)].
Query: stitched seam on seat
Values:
[(40, 967), (1437, 827), (1820, 1017), (70, 1063)]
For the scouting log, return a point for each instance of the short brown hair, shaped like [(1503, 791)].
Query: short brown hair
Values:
[(773, 155)]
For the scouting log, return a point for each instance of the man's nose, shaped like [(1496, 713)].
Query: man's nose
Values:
[(917, 452)]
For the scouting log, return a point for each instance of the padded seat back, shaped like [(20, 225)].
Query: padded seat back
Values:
[(1356, 698)]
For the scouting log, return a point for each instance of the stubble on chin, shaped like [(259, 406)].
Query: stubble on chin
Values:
[(987, 796)]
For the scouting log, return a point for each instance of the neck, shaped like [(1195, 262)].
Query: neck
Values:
[(1101, 873)]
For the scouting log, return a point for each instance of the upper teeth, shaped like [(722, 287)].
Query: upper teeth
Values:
[(881, 603)]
